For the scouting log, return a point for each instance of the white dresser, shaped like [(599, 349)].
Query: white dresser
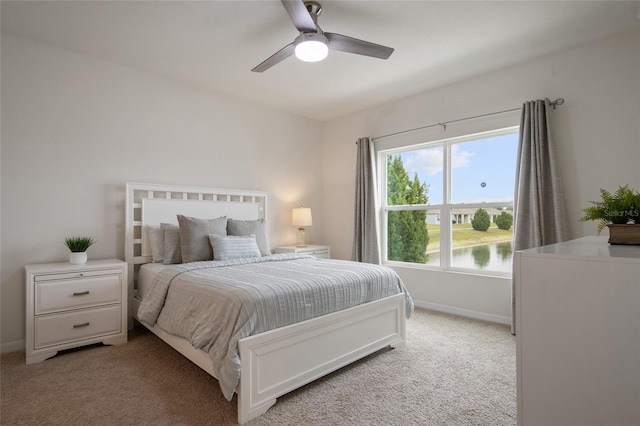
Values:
[(322, 252), (74, 305), (578, 334)]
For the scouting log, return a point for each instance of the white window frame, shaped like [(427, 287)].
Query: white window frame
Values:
[(444, 209)]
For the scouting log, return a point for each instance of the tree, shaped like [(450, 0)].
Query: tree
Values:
[(408, 236), (481, 220), (504, 221)]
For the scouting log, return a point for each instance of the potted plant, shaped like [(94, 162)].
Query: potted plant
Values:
[(619, 211), (78, 247)]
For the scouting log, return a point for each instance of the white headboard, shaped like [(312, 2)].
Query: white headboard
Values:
[(150, 204)]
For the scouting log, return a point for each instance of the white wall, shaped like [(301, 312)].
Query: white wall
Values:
[(597, 132), (75, 129)]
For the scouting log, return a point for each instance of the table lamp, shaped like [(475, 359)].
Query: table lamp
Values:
[(301, 217)]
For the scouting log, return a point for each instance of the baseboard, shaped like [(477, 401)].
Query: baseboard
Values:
[(463, 312), (18, 345)]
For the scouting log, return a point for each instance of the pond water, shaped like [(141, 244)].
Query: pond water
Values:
[(494, 257)]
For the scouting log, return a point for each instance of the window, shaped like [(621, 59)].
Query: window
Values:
[(449, 204)]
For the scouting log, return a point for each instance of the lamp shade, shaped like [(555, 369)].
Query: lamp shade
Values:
[(301, 217)]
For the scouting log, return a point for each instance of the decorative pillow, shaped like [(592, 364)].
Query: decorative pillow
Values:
[(156, 243), (194, 236), (234, 247), (248, 227), (171, 235)]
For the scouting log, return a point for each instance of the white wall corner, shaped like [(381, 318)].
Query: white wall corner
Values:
[(500, 319), (15, 346)]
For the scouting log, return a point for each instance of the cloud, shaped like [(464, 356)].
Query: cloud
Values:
[(429, 161), (459, 157)]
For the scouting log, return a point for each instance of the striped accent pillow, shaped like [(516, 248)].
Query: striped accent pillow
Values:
[(233, 247)]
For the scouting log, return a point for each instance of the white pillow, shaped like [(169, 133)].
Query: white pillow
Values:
[(233, 247), (156, 243)]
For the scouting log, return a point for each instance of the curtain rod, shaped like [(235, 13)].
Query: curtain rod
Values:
[(558, 101)]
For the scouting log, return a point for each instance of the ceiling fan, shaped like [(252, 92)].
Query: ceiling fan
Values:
[(313, 44)]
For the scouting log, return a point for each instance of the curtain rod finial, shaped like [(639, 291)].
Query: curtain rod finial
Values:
[(557, 102)]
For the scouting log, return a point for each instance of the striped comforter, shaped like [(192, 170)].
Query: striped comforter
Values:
[(215, 304)]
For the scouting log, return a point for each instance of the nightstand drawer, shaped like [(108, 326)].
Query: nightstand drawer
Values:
[(319, 253), (57, 276), (77, 325), (60, 295)]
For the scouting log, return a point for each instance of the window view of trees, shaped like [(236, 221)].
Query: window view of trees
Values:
[(465, 224), (407, 230), (504, 221), (481, 220)]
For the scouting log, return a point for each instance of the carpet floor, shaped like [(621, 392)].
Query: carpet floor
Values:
[(453, 371)]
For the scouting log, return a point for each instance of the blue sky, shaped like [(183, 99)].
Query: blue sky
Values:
[(483, 169)]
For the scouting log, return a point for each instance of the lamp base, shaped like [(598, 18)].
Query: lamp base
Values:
[(300, 238)]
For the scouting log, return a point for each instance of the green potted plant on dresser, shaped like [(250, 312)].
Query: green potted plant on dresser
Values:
[(620, 212), (78, 247)]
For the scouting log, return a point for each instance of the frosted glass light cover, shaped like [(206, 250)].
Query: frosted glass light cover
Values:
[(311, 51)]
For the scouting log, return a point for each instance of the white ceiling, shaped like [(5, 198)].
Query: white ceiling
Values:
[(215, 44)]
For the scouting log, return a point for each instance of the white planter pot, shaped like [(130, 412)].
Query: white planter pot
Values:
[(78, 257)]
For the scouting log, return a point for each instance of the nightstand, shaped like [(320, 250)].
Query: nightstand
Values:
[(322, 252), (74, 305)]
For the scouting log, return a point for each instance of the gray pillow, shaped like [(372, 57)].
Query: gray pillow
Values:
[(172, 252), (194, 236), (156, 243), (234, 247), (248, 227)]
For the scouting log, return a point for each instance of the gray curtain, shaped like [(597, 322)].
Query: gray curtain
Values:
[(366, 247), (540, 215)]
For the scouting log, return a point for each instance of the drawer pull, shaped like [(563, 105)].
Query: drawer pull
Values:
[(81, 293), (86, 324)]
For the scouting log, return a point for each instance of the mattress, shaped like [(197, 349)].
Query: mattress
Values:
[(146, 275)]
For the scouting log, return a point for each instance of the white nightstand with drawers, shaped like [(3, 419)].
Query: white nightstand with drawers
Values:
[(322, 252), (74, 305)]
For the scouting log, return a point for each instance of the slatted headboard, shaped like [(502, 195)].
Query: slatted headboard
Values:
[(151, 204)]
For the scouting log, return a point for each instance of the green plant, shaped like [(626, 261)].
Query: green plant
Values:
[(481, 220), (408, 236), (616, 208), (504, 221), (78, 244)]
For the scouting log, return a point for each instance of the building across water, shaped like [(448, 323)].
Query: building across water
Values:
[(464, 215)]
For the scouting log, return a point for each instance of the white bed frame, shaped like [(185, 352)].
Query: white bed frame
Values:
[(278, 361)]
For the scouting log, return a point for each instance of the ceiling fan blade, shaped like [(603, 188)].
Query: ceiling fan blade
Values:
[(300, 16), (360, 47), (277, 57)]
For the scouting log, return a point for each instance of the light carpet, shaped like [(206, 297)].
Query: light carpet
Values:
[(453, 371)]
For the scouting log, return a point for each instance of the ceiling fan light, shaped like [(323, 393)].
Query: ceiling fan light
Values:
[(311, 47), (311, 51)]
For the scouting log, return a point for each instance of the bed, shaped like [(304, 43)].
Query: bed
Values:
[(328, 324)]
